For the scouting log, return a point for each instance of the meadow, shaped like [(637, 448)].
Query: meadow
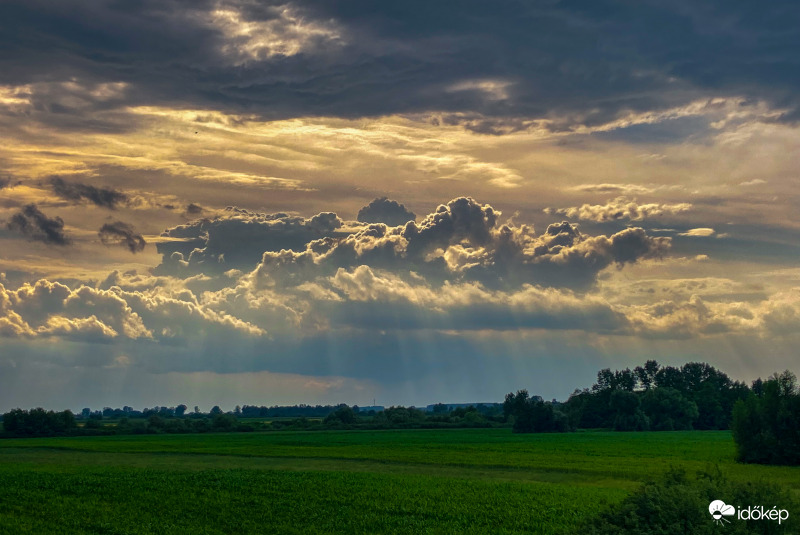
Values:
[(392, 481)]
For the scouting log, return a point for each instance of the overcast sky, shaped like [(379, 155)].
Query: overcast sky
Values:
[(250, 202)]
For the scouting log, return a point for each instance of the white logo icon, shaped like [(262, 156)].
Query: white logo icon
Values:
[(719, 511)]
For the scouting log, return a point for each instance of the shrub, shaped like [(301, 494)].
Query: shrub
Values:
[(680, 505)]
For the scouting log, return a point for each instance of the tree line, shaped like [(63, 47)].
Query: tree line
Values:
[(764, 417), (649, 397)]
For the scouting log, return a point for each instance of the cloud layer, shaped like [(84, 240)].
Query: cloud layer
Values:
[(287, 278), (134, 122), (495, 69)]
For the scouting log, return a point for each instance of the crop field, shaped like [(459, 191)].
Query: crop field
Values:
[(393, 481)]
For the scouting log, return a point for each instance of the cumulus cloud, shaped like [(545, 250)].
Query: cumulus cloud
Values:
[(75, 191), (383, 210), (238, 238), (49, 308), (767, 317), (694, 317), (462, 241), (621, 208), (781, 313), (35, 225), (121, 234), (467, 274), (278, 278), (52, 309)]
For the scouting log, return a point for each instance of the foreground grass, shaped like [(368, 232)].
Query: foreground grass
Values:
[(410, 481), (254, 501)]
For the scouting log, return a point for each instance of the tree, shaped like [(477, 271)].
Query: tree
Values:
[(629, 417), (670, 377), (766, 427), (180, 410), (647, 374), (38, 422), (343, 415), (532, 414), (440, 408), (668, 410)]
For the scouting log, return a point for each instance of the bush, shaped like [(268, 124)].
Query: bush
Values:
[(680, 505), (342, 415), (223, 422)]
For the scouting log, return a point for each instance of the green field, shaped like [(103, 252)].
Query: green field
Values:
[(394, 481)]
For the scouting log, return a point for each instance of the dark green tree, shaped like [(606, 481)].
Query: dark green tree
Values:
[(342, 415), (766, 427), (668, 409), (629, 415), (532, 414), (647, 374)]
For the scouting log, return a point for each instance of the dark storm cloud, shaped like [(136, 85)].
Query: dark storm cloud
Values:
[(500, 64), (32, 223), (75, 191), (383, 210), (122, 234)]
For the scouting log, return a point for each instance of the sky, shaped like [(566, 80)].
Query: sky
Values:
[(222, 202)]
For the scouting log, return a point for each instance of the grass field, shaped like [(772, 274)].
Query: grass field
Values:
[(394, 481)]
